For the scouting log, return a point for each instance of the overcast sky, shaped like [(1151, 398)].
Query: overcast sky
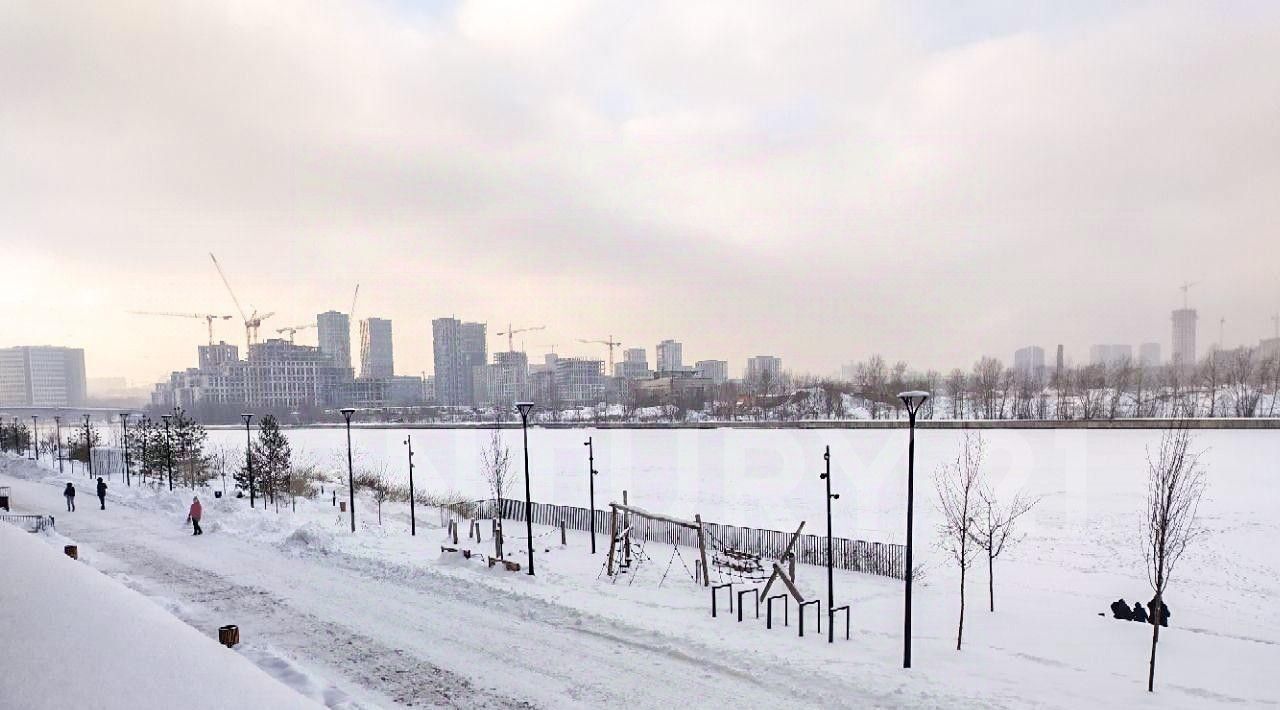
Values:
[(820, 181)]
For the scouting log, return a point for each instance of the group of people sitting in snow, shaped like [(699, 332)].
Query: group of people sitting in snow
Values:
[(1120, 610)]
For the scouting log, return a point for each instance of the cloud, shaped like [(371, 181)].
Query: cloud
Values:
[(820, 184)]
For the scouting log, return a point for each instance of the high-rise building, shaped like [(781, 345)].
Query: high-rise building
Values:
[(1268, 348), (1149, 354), (276, 375), (669, 356), (376, 359), (715, 370), (1029, 360), (42, 376), (333, 335), (763, 370), (504, 382), (458, 348), (1184, 337), (212, 356), (1110, 355), (579, 381), (634, 365)]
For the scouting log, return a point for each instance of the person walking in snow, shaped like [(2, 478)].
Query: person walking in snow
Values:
[(193, 516), (70, 494), (102, 493)]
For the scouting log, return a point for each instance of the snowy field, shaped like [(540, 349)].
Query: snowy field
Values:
[(381, 619)]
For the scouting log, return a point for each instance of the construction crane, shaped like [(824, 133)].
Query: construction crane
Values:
[(251, 322), (291, 330), (208, 318), (610, 343), (511, 332), (1186, 286)]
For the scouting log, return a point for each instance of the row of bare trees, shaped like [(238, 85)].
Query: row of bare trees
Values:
[(977, 522)]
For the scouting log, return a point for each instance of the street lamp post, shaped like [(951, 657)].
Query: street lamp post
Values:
[(124, 444), (88, 445), (591, 481), (248, 456), (831, 595), (57, 432), (35, 435), (524, 408), (912, 400), (351, 470), (413, 518), (168, 449)]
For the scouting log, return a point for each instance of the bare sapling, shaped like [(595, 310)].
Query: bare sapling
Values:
[(496, 459), (996, 529), (1175, 484), (957, 485)]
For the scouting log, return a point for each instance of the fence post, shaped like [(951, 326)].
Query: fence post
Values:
[(563, 541)]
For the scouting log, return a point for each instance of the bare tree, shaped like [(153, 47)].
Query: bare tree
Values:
[(996, 528), (957, 485), (498, 476), (375, 480), (1175, 483)]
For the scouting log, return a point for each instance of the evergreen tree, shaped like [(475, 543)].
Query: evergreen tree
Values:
[(188, 437), (271, 460)]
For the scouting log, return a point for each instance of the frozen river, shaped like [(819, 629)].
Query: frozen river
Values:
[(769, 477)]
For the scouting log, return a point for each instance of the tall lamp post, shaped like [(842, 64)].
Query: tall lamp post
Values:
[(912, 400), (413, 518), (248, 456), (831, 595), (168, 449), (351, 470), (591, 481), (88, 445), (124, 444), (524, 408), (35, 435), (57, 432)]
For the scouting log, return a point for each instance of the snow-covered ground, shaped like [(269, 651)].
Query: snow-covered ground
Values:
[(73, 638), (378, 617)]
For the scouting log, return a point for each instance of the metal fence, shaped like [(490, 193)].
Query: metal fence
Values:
[(884, 559), (32, 523)]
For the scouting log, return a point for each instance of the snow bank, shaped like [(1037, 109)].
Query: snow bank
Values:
[(74, 638), (312, 537)]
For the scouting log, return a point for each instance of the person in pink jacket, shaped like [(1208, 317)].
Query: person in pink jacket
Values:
[(193, 516)]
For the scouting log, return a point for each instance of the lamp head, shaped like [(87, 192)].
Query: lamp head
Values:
[(247, 416), (822, 476), (524, 408), (347, 412), (835, 496), (913, 400)]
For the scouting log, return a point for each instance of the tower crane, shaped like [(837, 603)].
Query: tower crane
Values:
[(511, 332), (294, 329), (1186, 286), (610, 343), (251, 322), (208, 318)]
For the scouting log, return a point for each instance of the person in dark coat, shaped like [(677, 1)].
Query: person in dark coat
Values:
[(1163, 616), (70, 494), (1139, 614), (102, 493), (1120, 608)]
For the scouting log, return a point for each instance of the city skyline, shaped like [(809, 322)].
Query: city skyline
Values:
[(933, 190)]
